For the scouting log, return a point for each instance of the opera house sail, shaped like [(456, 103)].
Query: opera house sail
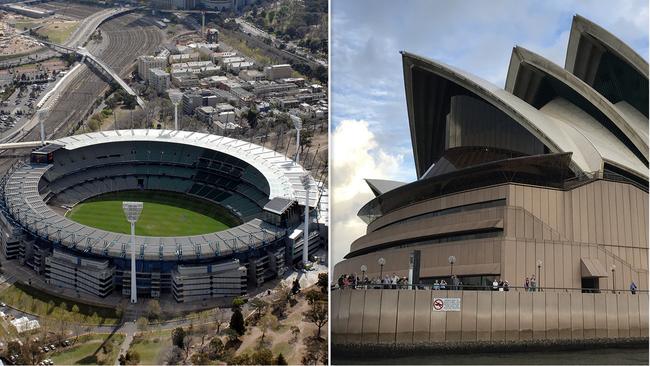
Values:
[(546, 177)]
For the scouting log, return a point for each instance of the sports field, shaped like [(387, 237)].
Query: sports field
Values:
[(163, 214)]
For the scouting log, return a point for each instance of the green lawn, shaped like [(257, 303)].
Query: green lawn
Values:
[(152, 346), (58, 32), (164, 214), (31, 300), (94, 349)]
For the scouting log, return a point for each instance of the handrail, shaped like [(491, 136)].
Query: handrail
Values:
[(428, 286)]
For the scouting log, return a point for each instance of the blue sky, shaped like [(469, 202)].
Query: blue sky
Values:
[(369, 120)]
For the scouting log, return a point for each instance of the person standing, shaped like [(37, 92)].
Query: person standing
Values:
[(633, 288), (443, 284), (527, 284), (533, 283), (436, 285)]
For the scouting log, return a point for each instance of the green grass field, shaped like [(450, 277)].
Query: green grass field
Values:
[(163, 214), (91, 350)]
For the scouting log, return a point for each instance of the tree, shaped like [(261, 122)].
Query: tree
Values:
[(263, 356), (132, 358), (317, 314), (215, 348), (142, 323), (313, 296), (268, 321), (175, 356), (237, 321), (323, 282), (251, 117), (280, 360), (295, 332), (178, 337), (258, 306), (219, 318), (200, 358), (154, 309)]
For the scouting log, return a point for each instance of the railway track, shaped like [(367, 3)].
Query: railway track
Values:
[(124, 39)]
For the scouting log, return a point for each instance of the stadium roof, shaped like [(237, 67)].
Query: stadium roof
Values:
[(26, 204)]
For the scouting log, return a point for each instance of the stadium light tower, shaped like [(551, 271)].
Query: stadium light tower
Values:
[(41, 115), (297, 123), (132, 211), (175, 96), (305, 233)]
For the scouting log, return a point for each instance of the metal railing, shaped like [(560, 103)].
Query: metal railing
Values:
[(465, 287)]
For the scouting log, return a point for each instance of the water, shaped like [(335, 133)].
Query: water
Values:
[(599, 356)]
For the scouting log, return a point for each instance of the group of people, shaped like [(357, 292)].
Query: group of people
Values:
[(500, 285), (388, 281), (530, 284)]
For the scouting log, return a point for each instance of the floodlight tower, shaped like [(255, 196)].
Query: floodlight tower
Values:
[(41, 115), (175, 96), (297, 123), (305, 234), (132, 211)]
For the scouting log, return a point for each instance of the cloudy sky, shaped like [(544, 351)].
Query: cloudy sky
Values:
[(370, 135)]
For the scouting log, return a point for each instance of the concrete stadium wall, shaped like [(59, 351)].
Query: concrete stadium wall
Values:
[(403, 317)]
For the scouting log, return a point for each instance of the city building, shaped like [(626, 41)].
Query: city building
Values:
[(145, 63), (159, 80), (275, 72)]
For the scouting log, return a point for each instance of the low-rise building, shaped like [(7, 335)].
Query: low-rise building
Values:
[(205, 114), (159, 80), (195, 283), (184, 57), (251, 75), (145, 63), (275, 72), (82, 274)]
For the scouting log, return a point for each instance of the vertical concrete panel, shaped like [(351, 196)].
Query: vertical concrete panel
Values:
[(454, 320), (627, 211), (634, 220), (548, 272), (613, 215), (484, 316), (600, 315), (343, 315), (620, 216), (521, 263), (422, 318), (512, 315), (355, 320), (388, 316), (612, 316), (623, 317), (633, 313), (589, 327), (526, 315), (577, 320), (558, 259), (567, 267), (643, 314), (335, 300), (552, 209), (469, 314), (438, 320), (607, 223), (590, 214), (551, 315), (498, 316), (405, 316), (539, 315), (564, 315), (370, 328), (598, 211), (530, 258)]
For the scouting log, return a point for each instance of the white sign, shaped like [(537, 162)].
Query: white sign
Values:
[(446, 304)]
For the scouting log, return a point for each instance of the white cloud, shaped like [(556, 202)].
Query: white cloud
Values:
[(355, 156)]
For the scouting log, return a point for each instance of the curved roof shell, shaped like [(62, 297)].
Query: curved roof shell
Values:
[(557, 135)]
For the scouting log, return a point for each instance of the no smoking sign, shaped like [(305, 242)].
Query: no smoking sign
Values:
[(446, 304)]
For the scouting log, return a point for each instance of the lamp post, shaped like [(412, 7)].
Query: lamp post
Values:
[(297, 123), (613, 268), (451, 260), (41, 115), (381, 261), (175, 96), (539, 275), (132, 211), (305, 246)]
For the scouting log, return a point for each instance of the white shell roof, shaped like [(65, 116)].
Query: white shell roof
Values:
[(558, 135)]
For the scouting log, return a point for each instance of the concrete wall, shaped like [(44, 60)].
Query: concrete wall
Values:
[(406, 316)]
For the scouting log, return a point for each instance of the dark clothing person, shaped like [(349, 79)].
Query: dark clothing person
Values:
[(633, 288)]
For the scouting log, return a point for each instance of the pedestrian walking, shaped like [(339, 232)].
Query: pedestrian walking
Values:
[(633, 288)]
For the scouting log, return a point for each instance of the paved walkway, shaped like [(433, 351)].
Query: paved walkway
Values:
[(128, 329)]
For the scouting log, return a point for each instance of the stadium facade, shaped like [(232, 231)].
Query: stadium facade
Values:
[(548, 177), (262, 189)]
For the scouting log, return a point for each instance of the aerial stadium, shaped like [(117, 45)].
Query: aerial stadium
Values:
[(546, 178), (236, 211)]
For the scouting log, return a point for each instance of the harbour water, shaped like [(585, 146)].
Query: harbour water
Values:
[(599, 356)]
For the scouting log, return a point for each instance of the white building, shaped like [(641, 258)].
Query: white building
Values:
[(275, 72), (159, 80), (145, 63)]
